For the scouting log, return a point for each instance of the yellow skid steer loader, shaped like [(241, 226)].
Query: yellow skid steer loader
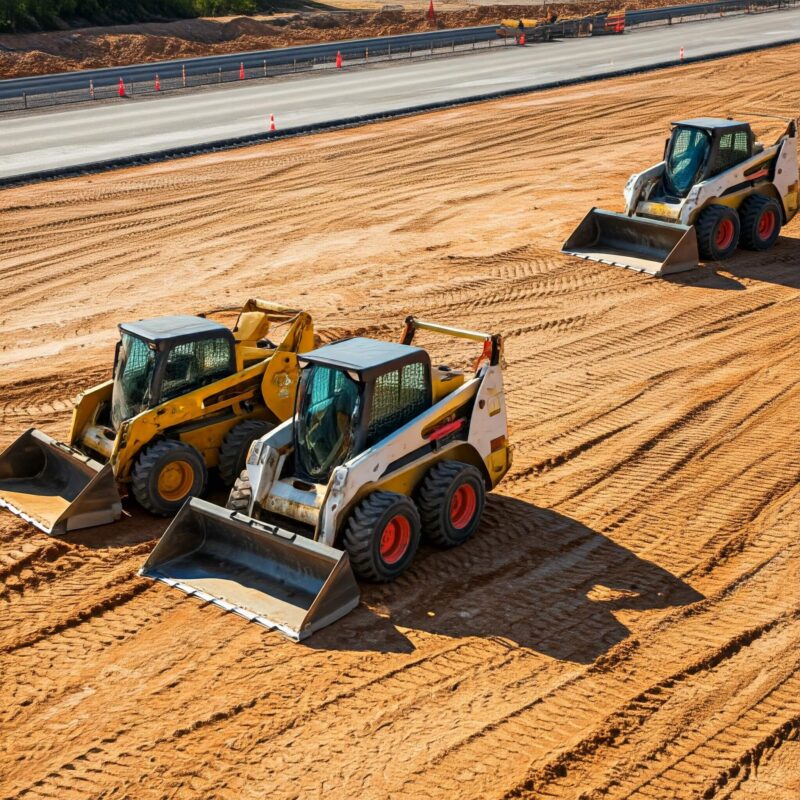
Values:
[(187, 394), (716, 189), (384, 447)]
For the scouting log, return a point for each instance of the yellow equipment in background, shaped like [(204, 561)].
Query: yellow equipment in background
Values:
[(187, 394)]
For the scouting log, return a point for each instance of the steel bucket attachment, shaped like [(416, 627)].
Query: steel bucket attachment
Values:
[(263, 573), (645, 245), (55, 487)]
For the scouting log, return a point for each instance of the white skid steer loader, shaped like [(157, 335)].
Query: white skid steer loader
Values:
[(716, 189), (384, 447)]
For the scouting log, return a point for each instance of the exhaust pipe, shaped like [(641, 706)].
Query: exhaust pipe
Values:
[(645, 245), (55, 487), (281, 580)]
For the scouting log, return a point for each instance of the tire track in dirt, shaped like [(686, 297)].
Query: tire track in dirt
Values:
[(631, 574)]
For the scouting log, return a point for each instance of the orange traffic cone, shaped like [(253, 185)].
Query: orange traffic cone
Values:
[(158, 83), (338, 60), (121, 90), (522, 40), (431, 12), (272, 122), (681, 54), (241, 71)]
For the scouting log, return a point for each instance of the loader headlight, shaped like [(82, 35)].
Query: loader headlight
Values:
[(255, 453), (339, 477)]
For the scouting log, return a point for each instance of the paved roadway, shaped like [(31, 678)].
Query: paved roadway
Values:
[(65, 81), (71, 138)]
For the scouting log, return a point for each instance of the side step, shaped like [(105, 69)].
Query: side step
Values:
[(267, 575)]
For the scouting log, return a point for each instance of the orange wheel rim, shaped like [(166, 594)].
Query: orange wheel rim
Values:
[(462, 506), (766, 225), (725, 234), (395, 539), (175, 480)]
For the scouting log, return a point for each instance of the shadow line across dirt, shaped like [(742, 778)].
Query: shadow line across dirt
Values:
[(530, 575)]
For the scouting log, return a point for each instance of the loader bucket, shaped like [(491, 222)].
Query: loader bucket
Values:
[(55, 487), (265, 574), (645, 245)]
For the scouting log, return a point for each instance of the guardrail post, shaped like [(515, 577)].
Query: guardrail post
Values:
[(25, 99), (219, 78)]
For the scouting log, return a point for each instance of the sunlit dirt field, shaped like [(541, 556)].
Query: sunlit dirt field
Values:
[(626, 623)]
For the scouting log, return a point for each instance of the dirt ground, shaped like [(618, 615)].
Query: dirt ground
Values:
[(64, 51), (626, 623)]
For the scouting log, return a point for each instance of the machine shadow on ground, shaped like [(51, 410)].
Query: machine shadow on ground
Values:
[(769, 267), (136, 525), (530, 575)]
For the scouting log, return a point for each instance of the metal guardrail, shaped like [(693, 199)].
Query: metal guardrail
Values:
[(160, 83), (720, 7), (253, 60), (164, 76)]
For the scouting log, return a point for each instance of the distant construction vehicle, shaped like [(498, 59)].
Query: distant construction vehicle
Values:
[(716, 189), (555, 27), (383, 447), (187, 394)]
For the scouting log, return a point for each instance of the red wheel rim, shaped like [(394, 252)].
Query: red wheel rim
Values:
[(462, 506), (395, 539), (724, 235), (766, 225)]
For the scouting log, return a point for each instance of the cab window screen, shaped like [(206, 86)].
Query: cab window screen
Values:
[(327, 409), (687, 154), (733, 149), (398, 397), (131, 391), (195, 364)]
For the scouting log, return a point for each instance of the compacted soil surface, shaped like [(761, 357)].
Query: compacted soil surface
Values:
[(626, 622), (64, 51)]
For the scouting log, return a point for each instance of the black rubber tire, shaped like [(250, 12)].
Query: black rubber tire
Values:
[(242, 491), (434, 500), (707, 228), (149, 465), (751, 213), (362, 535), (236, 445)]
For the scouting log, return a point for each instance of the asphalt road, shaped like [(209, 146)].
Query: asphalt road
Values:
[(86, 135), (79, 80)]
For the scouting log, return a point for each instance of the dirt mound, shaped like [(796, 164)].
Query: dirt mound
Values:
[(64, 51), (625, 624)]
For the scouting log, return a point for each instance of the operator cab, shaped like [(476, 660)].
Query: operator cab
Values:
[(356, 392), (701, 148), (162, 358)]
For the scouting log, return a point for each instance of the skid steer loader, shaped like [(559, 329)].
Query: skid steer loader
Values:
[(717, 188), (383, 448), (187, 394)]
